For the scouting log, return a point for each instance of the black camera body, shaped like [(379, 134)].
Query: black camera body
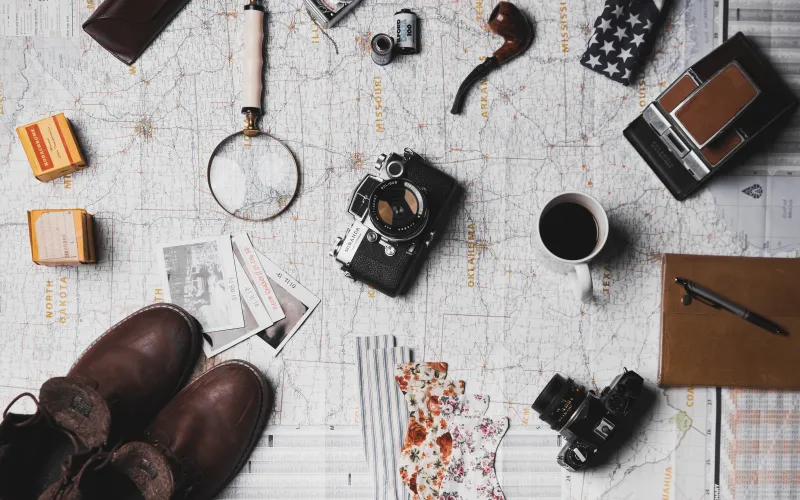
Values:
[(398, 214), (588, 421)]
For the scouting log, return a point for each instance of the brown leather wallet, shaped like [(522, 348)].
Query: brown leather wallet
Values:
[(127, 27)]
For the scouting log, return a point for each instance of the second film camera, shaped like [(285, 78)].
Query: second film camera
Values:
[(398, 211), (587, 420)]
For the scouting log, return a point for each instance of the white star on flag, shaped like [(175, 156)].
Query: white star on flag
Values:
[(634, 20), (649, 24), (593, 40), (627, 75), (625, 55), (605, 24), (593, 61), (621, 33), (618, 11), (638, 39), (610, 67), (608, 47)]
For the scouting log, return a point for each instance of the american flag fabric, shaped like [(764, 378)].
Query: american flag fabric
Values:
[(623, 36)]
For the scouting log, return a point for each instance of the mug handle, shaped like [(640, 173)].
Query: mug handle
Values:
[(583, 283)]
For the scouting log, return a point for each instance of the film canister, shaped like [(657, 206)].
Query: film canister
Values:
[(382, 49), (406, 26)]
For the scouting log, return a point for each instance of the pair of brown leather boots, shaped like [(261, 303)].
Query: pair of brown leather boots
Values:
[(118, 426)]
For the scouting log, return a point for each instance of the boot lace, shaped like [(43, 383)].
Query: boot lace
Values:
[(94, 459), (41, 413), (90, 456), (184, 472)]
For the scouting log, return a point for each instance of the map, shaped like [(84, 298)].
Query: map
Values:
[(483, 302)]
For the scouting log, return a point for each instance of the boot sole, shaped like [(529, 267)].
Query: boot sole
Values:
[(195, 347), (258, 430)]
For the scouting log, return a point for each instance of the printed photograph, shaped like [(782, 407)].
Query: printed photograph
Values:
[(295, 312), (256, 319), (296, 301), (200, 277)]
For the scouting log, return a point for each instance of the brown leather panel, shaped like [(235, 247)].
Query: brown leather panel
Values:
[(677, 93), (719, 148), (716, 103), (703, 346)]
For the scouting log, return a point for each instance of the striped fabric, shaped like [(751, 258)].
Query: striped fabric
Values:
[(383, 414)]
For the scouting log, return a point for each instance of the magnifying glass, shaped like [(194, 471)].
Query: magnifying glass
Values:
[(252, 174)]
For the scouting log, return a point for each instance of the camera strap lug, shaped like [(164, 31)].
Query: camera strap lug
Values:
[(379, 162)]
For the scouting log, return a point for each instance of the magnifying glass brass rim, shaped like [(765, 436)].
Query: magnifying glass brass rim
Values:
[(249, 132)]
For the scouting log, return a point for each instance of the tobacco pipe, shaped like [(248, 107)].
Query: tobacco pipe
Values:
[(510, 23)]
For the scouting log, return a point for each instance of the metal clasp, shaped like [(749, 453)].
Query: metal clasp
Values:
[(250, 127)]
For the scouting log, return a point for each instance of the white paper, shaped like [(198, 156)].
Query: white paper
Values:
[(200, 276), (243, 248), (304, 462), (55, 235), (255, 314), (758, 200), (46, 18)]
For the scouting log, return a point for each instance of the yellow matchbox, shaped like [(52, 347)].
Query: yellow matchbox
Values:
[(51, 148), (63, 237)]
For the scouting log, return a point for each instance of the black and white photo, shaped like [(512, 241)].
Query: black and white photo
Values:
[(200, 277), (256, 319)]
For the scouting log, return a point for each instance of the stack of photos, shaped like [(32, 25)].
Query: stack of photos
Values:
[(235, 292)]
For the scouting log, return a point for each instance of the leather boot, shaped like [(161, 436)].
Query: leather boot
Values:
[(111, 394), (71, 420), (192, 450)]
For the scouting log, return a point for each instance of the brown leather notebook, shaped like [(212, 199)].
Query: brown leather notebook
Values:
[(703, 346)]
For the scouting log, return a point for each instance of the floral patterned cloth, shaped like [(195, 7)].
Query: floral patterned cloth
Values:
[(428, 443), (471, 474), (450, 446)]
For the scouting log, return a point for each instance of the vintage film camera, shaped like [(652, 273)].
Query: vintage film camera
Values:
[(399, 212), (587, 420)]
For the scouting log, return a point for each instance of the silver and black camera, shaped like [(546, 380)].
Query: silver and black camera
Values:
[(399, 212), (588, 420)]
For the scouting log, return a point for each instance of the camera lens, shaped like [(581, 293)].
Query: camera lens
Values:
[(398, 209), (558, 401)]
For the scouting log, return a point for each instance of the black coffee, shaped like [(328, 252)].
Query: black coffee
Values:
[(569, 231)]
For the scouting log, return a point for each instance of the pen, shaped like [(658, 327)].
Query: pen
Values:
[(717, 301)]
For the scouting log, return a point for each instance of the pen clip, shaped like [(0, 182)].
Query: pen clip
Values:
[(693, 296), (703, 300)]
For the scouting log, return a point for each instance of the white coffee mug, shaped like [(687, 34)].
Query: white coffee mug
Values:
[(583, 278)]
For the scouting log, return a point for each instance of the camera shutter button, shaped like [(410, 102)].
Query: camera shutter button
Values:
[(390, 251), (372, 237)]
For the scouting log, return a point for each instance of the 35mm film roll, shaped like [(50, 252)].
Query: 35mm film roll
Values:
[(382, 49), (406, 26)]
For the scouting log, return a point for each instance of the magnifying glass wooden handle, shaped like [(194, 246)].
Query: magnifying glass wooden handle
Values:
[(253, 58)]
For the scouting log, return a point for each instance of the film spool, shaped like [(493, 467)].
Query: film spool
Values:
[(406, 26), (382, 49)]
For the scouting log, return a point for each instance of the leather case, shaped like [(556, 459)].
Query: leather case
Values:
[(127, 27), (703, 346)]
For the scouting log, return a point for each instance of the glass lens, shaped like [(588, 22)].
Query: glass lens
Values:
[(398, 206), (252, 178)]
